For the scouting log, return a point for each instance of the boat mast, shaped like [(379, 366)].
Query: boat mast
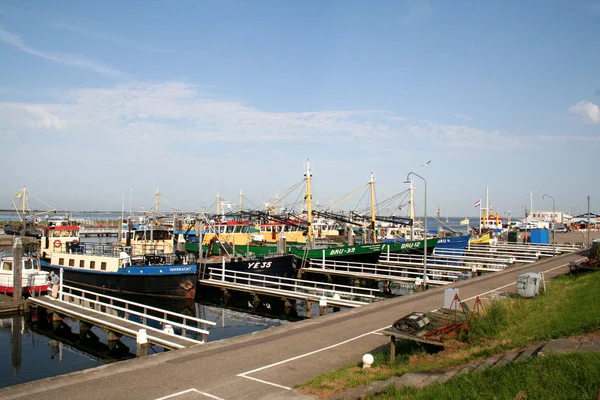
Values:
[(276, 211), (156, 202), (240, 204), (487, 206), (24, 204), (373, 214), (218, 206), (412, 211), (308, 177)]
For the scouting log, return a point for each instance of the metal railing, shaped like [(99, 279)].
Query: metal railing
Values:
[(451, 260), (129, 308), (404, 273), (328, 290)]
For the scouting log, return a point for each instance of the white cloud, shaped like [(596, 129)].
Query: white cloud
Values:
[(171, 113), (463, 117), (103, 36), (586, 110), (61, 58)]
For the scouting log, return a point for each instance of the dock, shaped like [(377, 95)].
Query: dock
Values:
[(268, 364), (114, 314), (10, 307), (325, 294)]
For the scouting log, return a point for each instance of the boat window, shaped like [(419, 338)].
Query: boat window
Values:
[(66, 233), (245, 229), (103, 266), (61, 261), (81, 263), (71, 262), (230, 229), (92, 264), (28, 264), (7, 266)]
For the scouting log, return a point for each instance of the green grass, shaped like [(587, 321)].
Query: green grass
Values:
[(570, 376), (570, 307)]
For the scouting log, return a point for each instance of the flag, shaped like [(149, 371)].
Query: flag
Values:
[(477, 203), (18, 194), (465, 221)]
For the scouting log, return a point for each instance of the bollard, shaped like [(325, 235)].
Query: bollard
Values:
[(17, 270), (142, 343), (169, 329), (322, 306), (367, 360)]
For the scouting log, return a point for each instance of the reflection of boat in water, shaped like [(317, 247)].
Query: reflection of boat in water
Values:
[(118, 269), (34, 279)]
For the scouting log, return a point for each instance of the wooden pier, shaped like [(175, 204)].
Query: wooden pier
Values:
[(10, 307), (114, 314)]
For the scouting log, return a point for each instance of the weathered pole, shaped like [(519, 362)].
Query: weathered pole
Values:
[(17, 251)]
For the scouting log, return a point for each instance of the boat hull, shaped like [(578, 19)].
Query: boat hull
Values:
[(284, 266), (170, 281)]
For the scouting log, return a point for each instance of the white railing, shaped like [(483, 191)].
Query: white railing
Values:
[(403, 273), (450, 261), (99, 301), (328, 290)]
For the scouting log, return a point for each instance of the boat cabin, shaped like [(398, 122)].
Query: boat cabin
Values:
[(34, 279), (237, 232), (58, 239)]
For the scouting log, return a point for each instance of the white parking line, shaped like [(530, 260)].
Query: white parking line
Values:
[(210, 396), (244, 374)]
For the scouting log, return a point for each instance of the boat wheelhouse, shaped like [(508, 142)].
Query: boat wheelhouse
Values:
[(58, 238), (232, 232), (272, 232), (491, 220), (34, 280)]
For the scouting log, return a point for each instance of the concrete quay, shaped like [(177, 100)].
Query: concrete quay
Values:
[(267, 364)]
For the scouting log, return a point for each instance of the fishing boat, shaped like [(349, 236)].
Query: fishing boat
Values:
[(34, 279), (117, 268)]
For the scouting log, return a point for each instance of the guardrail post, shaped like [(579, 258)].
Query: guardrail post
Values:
[(142, 343), (60, 284)]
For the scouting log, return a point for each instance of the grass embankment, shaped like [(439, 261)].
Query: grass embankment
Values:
[(570, 307)]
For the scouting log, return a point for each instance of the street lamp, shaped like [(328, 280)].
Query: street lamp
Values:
[(553, 225), (425, 235)]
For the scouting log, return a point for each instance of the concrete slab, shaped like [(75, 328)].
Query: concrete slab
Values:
[(589, 345), (363, 391), (488, 362), (559, 346), (414, 379), (530, 351), (449, 374), (507, 358), (467, 369)]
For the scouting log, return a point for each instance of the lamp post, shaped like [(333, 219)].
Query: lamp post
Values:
[(553, 225), (425, 234)]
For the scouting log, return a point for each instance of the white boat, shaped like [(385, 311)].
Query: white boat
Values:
[(34, 279)]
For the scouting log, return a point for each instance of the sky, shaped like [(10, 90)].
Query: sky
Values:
[(103, 103)]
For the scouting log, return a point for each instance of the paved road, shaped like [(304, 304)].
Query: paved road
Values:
[(264, 365)]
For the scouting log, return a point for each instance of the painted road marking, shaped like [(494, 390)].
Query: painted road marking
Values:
[(192, 390), (375, 332)]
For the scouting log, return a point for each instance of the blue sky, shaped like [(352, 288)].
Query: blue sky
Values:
[(204, 97)]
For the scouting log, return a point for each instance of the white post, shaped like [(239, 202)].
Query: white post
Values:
[(60, 285), (223, 269)]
